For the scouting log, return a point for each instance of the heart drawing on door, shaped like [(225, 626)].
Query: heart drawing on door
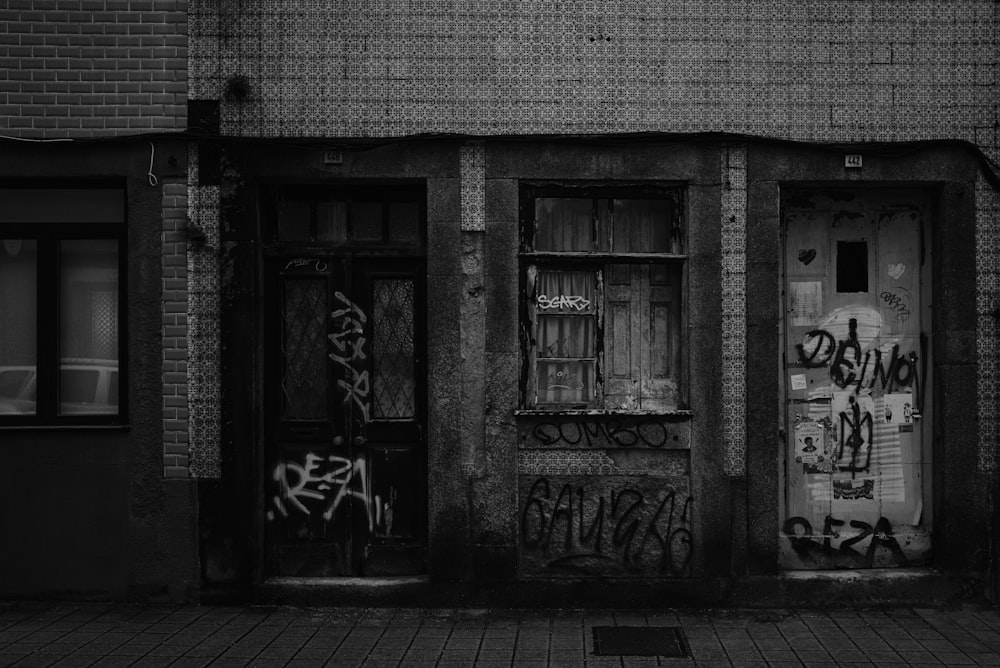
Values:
[(807, 256), (896, 270)]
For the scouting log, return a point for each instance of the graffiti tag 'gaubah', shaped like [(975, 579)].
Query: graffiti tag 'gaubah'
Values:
[(626, 530)]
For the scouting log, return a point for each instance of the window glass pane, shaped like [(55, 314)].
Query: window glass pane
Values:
[(304, 349), (642, 226), (564, 224), (565, 336), (569, 382), (394, 385), (366, 221), (566, 292), (293, 221), (18, 325), (78, 389), (404, 222), (88, 325), (331, 221)]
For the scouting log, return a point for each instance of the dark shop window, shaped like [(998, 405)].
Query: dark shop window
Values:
[(602, 272), (62, 299)]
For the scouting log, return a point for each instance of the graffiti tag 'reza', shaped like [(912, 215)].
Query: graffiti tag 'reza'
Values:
[(329, 481), (577, 532), (563, 301), (349, 340), (847, 367), (808, 546)]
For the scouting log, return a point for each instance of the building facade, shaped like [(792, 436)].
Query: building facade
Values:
[(681, 299), (92, 112)]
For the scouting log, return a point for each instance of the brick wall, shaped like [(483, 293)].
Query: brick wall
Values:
[(92, 68)]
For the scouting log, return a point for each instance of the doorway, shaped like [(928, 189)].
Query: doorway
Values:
[(344, 383), (856, 379)]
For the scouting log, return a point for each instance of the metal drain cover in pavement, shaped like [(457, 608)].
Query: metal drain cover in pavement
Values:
[(639, 641)]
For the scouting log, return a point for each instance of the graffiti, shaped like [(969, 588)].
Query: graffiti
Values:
[(623, 528), (847, 367), (296, 263), (563, 301), (807, 255), (349, 340), (896, 270), (560, 380), (853, 436), (651, 434), (899, 304), (327, 480), (806, 545), (562, 347)]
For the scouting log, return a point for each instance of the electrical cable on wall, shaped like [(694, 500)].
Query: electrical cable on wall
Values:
[(150, 175)]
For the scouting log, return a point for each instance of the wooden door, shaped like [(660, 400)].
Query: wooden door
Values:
[(345, 416), (857, 463)]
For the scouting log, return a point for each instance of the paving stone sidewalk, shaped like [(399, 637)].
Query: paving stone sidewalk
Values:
[(89, 634)]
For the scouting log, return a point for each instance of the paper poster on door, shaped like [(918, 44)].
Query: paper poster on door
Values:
[(806, 299), (809, 440), (898, 408)]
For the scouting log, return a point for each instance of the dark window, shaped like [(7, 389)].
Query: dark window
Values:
[(62, 299), (602, 271), (336, 214), (852, 266)]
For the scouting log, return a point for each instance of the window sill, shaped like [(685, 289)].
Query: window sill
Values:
[(65, 427), (600, 412)]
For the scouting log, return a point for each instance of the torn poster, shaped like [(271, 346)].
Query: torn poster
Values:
[(806, 298), (809, 442), (898, 408)]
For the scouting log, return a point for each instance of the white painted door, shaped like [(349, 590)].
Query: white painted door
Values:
[(856, 380)]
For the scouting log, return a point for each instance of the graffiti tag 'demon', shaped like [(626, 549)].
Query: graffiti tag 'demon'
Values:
[(852, 365)]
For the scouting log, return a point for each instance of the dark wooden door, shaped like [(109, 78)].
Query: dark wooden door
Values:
[(345, 416)]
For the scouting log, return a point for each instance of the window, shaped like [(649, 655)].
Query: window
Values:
[(602, 271), (349, 214), (62, 300)]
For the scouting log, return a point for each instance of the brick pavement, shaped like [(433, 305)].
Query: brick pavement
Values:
[(92, 634)]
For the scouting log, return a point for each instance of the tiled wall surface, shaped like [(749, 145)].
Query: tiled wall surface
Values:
[(839, 70), (92, 68), (204, 343)]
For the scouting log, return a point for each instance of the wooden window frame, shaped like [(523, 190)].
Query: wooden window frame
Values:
[(48, 357), (599, 259)]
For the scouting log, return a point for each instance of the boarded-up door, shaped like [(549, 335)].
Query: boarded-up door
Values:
[(856, 380), (345, 417)]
